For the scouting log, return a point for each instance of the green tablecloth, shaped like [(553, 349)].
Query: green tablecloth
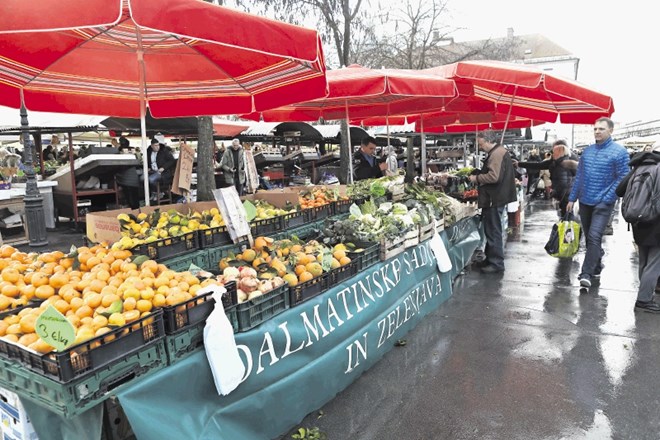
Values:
[(297, 361)]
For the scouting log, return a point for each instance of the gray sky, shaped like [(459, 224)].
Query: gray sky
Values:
[(616, 42)]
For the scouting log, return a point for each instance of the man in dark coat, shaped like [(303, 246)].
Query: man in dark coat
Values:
[(562, 172), (161, 163), (497, 188), (646, 235), (365, 164)]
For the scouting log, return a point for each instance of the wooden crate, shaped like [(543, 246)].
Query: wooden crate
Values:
[(391, 248), (397, 192), (426, 232), (440, 224), (411, 238)]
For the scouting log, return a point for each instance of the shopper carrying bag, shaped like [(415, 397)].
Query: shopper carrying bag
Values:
[(564, 240)]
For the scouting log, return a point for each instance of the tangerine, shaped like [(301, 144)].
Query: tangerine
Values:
[(44, 291)]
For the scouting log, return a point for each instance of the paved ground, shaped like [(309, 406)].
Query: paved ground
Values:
[(523, 355), (60, 238)]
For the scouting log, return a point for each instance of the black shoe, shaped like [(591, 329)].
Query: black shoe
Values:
[(492, 269), (648, 306), (480, 264), (585, 281), (608, 230)]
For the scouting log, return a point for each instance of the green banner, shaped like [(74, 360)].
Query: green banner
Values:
[(296, 362), (302, 358)]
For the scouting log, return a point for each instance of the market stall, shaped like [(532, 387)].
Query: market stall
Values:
[(323, 345), (331, 325)]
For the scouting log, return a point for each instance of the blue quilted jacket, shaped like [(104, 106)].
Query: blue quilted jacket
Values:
[(601, 168)]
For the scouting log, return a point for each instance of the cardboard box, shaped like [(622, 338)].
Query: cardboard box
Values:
[(298, 189), (277, 198), (104, 226), (14, 422)]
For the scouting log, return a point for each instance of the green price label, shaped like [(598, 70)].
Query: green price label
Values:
[(55, 329)]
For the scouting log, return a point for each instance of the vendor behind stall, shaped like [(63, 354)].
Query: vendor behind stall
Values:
[(161, 164), (365, 164)]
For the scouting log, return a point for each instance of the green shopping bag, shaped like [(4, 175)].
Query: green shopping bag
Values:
[(564, 240)]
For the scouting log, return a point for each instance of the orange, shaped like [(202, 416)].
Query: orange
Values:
[(62, 306), (339, 254), (159, 300), (97, 285), (151, 265), (108, 290), (144, 305), (305, 276), (103, 275), (10, 290), (93, 300), (44, 292), (6, 250), (130, 303), (57, 280), (27, 323), (28, 291), (108, 299), (300, 269), (76, 302), (344, 261), (84, 311), (314, 268), (10, 274)]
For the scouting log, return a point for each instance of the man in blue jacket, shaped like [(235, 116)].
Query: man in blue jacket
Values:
[(602, 166)]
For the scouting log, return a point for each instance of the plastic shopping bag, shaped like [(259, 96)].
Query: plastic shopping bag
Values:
[(221, 350), (564, 240)]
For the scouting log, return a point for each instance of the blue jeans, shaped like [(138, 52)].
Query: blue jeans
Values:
[(492, 219), (594, 220), (153, 178)]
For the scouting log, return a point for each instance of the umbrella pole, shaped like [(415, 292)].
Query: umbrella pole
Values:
[(143, 116), (508, 115), (422, 147), (350, 146)]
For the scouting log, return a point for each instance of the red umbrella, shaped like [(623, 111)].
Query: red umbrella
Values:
[(179, 57), (359, 92), (528, 92), (368, 92)]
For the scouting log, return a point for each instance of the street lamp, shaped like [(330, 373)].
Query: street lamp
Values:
[(34, 206)]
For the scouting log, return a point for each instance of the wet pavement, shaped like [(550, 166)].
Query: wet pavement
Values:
[(520, 355)]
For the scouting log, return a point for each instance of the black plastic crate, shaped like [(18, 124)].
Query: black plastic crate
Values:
[(295, 219), (169, 247), (257, 310), (87, 357), (343, 273), (320, 212), (342, 206), (309, 289), (213, 237), (266, 226), (368, 257), (181, 316)]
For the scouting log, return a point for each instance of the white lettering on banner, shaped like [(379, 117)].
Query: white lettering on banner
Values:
[(367, 290), (360, 350), (313, 327), (343, 293), (287, 349), (268, 343), (332, 313)]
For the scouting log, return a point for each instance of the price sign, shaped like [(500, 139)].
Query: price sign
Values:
[(233, 212), (183, 172), (55, 329)]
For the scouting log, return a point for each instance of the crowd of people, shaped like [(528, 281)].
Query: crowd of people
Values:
[(596, 180)]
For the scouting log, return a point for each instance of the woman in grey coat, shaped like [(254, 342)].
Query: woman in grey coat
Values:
[(233, 166)]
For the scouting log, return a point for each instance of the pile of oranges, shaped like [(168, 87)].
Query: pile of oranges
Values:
[(318, 197), (96, 288), (296, 262)]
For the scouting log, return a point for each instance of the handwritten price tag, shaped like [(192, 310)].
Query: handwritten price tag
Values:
[(55, 329)]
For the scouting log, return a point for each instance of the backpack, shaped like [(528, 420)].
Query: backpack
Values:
[(641, 202)]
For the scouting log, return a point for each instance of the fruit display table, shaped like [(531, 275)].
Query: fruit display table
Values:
[(296, 361)]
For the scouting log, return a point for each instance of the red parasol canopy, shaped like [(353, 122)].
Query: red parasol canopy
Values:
[(366, 92), (179, 57), (528, 92), (185, 57)]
